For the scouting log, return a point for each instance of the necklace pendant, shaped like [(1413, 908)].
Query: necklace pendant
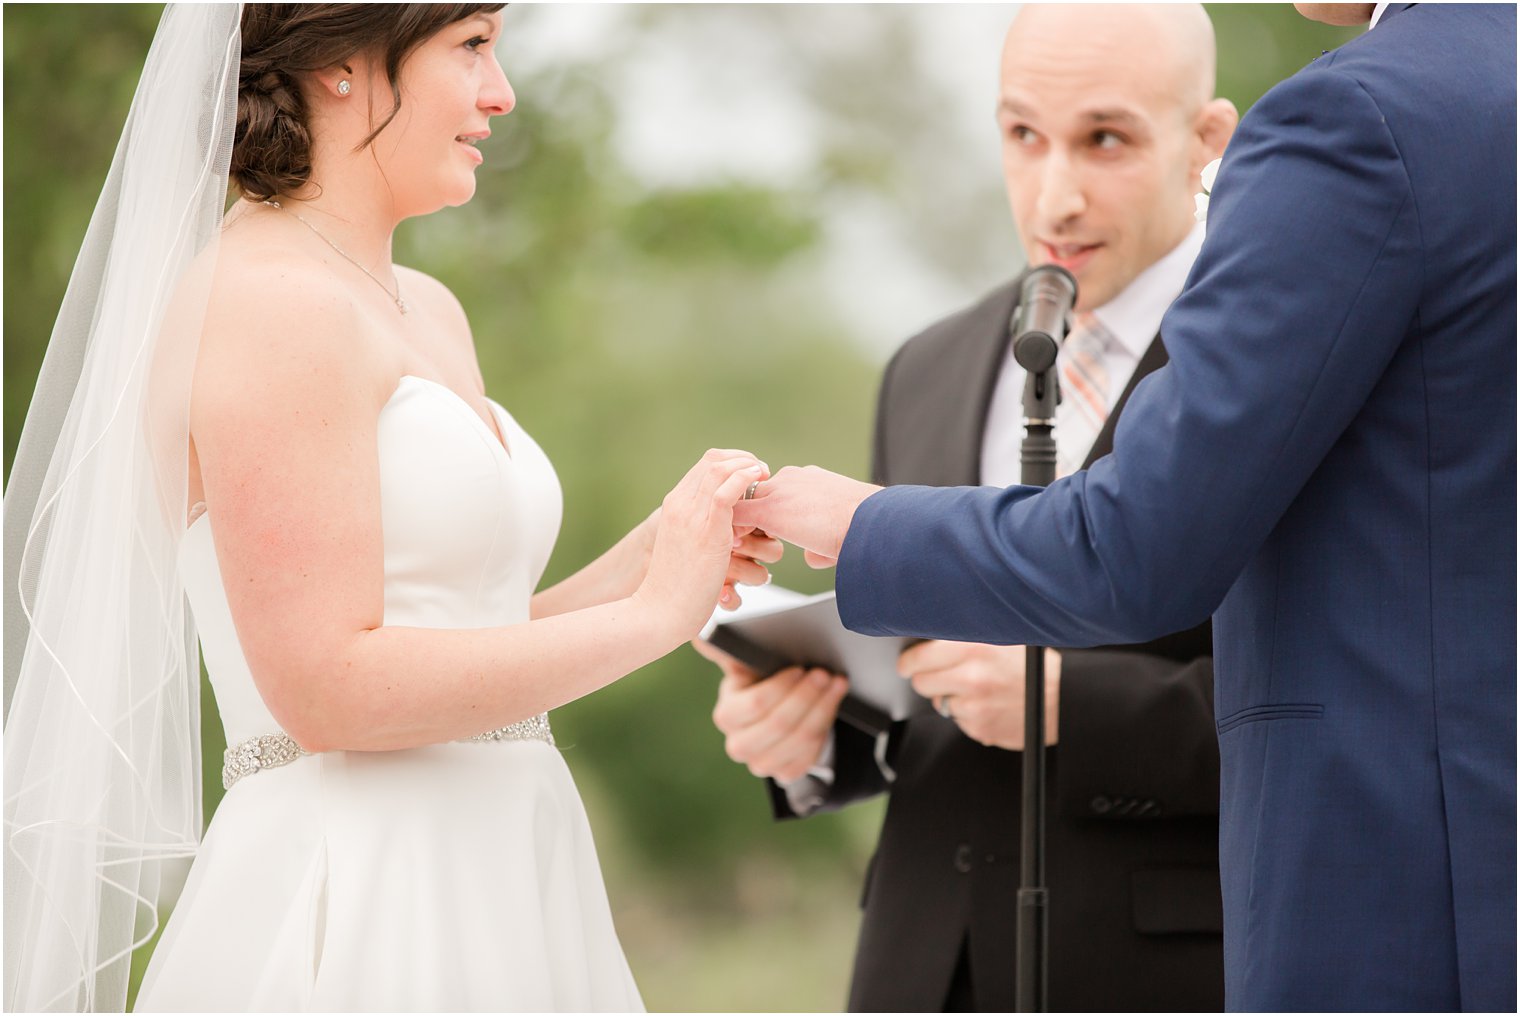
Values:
[(401, 305)]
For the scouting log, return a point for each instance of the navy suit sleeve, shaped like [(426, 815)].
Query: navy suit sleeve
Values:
[(1305, 286)]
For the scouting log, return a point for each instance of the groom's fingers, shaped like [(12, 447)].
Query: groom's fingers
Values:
[(742, 569), (818, 560), (758, 546), (753, 513)]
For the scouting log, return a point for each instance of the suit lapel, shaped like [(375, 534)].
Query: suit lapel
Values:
[(936, 414), (1154, 358)]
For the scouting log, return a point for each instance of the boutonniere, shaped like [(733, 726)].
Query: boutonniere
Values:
[(1201, 201)]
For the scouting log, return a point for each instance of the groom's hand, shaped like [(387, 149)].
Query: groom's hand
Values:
[(778, 725), (747, 566), (807, 507)]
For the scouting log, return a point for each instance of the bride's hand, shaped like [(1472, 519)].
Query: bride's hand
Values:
[(746, 564), (694, 549)]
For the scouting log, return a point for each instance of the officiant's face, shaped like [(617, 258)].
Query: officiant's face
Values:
[(1101, 157), (451, 86)]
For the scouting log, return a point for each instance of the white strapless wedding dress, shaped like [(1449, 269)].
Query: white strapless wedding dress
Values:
[(452, 877)]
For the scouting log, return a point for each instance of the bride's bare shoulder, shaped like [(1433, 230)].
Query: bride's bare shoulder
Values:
[(278, 327), (442, 307)]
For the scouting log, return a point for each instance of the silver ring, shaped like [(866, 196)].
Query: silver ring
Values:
[(943, 706), (749, 495)]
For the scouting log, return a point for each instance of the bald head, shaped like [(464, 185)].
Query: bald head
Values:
[(1171, 46), (1108, 116)]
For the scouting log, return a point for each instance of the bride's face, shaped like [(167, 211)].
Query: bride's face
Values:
[(451, 86)]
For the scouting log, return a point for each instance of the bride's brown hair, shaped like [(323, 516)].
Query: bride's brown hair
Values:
[(271, 149)]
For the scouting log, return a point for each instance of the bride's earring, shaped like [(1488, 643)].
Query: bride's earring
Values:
[(343, 87)]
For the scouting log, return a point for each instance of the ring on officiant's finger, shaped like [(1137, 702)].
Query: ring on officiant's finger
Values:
[(943, 707), (749, 494)]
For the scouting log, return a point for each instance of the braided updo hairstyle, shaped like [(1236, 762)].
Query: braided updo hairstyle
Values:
[(271, 151)]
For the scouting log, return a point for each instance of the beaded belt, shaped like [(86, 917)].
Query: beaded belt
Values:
[(269, 751)]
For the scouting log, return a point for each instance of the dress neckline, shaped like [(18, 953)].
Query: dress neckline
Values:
[(497, 437), (498, 433)]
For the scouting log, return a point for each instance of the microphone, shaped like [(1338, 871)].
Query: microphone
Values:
[(1046, 297)]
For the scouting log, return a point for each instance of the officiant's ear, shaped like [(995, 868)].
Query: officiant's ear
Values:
[(1212, 128)]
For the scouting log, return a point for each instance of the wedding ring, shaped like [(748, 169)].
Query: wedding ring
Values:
[(943, 706), (749, 495)]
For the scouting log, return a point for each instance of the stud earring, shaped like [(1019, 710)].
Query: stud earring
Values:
[(343, 87)]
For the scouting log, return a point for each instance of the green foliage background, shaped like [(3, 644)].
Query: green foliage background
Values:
[(629, 328)]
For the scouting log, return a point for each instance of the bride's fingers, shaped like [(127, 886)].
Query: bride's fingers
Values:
[(707, 477), (731, 489), (723, 461), (724, 454)]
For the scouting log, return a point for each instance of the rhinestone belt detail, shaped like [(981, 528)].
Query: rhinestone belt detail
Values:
[(268, 751)]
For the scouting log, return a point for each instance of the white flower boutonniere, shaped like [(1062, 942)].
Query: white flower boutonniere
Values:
[(1201, 201)]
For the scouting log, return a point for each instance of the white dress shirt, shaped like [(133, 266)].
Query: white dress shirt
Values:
[(1133, 318)]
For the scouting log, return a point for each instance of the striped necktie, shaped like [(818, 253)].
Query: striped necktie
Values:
[(1086, 397)]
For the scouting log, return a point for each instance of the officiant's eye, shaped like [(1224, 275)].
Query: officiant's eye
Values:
[(1107, 139), (1023, 135)]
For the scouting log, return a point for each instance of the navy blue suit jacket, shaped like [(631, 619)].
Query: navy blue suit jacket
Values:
[(1328, 466)]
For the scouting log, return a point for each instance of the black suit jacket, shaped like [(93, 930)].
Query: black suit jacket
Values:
[(1134, 782)]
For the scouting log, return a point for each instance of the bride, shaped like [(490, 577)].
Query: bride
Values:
[(263, 414)]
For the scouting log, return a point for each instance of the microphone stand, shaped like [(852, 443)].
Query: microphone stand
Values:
[(1035, 349)]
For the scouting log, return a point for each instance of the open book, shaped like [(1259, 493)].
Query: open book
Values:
[(778, 628)]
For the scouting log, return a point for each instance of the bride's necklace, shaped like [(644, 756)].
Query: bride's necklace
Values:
[(396, 297)]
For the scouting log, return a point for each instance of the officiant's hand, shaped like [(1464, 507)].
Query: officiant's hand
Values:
[(981, 687), (807, 507), (777, 726)]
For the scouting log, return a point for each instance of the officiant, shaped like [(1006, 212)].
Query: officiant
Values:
[(1107, 118)]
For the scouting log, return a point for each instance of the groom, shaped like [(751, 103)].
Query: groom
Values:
[(1328, 466)]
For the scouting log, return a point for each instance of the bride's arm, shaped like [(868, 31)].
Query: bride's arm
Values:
[(614, 575), (287, 398)]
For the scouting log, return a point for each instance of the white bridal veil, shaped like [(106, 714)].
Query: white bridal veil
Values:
[(102, 743)]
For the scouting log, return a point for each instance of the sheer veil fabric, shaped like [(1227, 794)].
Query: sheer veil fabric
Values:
[(102, 744)]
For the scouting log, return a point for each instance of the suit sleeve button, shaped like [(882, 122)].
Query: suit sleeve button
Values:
[(1101, 805), (963, 858)]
